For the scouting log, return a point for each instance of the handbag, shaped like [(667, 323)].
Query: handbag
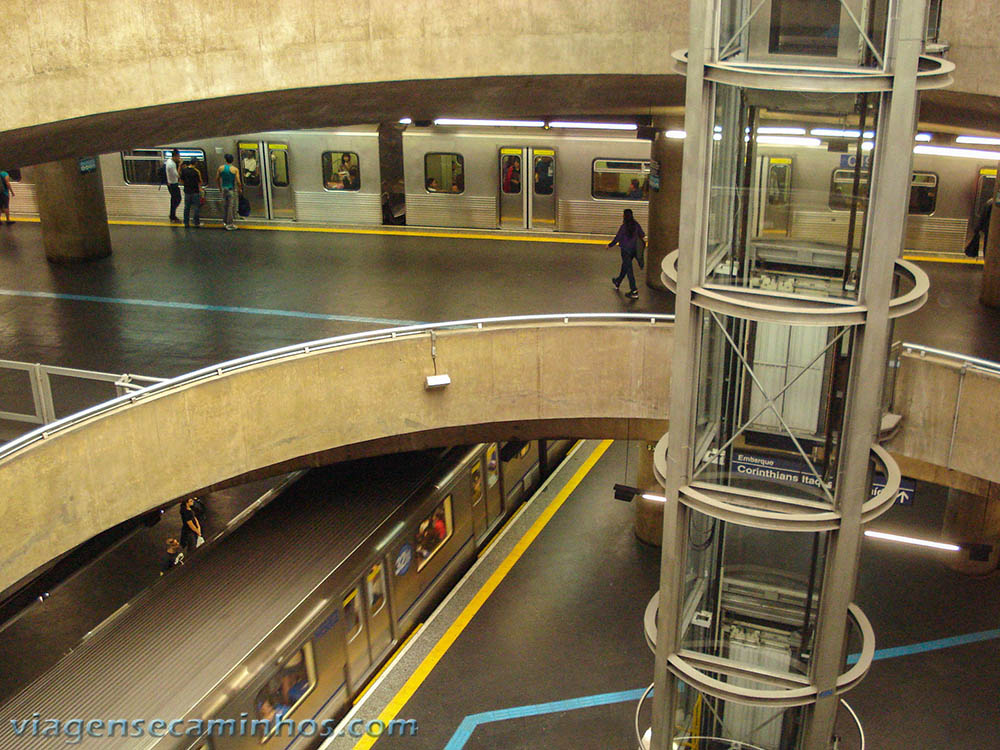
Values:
[(243, 207), (640, 251)]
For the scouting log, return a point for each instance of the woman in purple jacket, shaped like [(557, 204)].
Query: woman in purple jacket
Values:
[(629, 234)]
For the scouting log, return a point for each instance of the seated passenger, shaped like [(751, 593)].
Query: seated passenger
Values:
[(634, 191), (432, 185), (440, 527)]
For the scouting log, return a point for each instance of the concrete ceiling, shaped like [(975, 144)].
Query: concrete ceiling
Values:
[(347, 104)]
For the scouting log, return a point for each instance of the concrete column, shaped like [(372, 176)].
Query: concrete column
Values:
[(665, 203), (648, 513), (972, 519), (72, 210), (990, 295)]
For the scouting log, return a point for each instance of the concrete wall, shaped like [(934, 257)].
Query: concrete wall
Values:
[(61, 491), (163, 70), (949, 429)]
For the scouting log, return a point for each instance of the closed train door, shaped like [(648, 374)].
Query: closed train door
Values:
[(265, 170), (527, 188), (774, 196), (367, 623)]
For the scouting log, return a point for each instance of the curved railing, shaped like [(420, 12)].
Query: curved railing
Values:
[(308, 347)]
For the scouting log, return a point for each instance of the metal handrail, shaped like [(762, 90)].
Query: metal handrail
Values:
[(308, 347), (983, 364)]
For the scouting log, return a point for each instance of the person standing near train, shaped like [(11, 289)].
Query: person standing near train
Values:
[(173, 187), (191, 178), (191, 536), (6, 193), (628, 237), (228, 180)]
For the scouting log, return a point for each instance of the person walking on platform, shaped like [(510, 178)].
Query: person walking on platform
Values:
[(191, 178), (6, 193), (173, 178), (191, 537), (228, 180), (628, 238)]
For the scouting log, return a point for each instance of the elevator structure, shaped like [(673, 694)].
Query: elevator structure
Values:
[(772, 469)]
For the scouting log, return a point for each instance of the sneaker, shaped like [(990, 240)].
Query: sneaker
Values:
[(615, 282), (174, 220), (634, 294)]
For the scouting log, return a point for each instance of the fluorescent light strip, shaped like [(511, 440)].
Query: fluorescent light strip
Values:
[(405, 121), (922, 137), (785, 140), (834, 133), (491, 123), (594, 125), (675, 134), (654, 498), (978, 140), (965, 153), (911, 540), (767, 130)]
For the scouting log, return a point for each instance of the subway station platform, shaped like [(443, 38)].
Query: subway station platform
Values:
[(558, 646), (542, 644)]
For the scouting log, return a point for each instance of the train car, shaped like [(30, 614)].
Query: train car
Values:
[(523, 179), (287, 618), (529, 180)]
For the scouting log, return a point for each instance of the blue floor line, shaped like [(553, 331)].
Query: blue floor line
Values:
[(924, 646), (208, 308), (469, 723)]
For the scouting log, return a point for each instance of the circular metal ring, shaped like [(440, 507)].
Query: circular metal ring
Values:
[(753, 304), (932, 73)]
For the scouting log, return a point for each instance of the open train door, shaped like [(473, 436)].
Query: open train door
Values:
[(773, 196)]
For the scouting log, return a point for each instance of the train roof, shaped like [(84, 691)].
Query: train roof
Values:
[(167, 650)]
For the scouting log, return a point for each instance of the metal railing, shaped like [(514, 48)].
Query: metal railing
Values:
[(39, 376), (160, 386)]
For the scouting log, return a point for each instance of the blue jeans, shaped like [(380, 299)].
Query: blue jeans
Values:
[(229, 199), (626, 270), (192, 208)]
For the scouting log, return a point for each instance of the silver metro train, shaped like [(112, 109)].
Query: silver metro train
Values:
[(525, 179), (287, 619)]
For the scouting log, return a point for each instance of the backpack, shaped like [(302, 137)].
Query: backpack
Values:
[(161, 174)]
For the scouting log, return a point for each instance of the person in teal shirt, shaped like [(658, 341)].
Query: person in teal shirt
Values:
[(228, 180), (6, 192)]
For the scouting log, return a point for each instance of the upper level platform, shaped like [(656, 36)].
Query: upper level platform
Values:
[(89, 77), (171, 301)]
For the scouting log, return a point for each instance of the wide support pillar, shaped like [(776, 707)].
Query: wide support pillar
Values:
[(72, 210), (664, 201)]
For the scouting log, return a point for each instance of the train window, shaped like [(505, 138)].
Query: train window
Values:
[(279, 164), (249, 166), (492, 465), (352, 616), (444, 173), (433, 532), (141, 166), (842, 188), (510, 174), (476, 479), (341, 170), (284, 691), (923, 193), (620, 179), (544, 175), (376, 589)]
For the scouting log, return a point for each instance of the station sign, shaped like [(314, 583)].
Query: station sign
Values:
[(87, 164), (796, 471), (847, 161)]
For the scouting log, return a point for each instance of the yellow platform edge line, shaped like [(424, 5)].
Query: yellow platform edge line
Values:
[(459, 236), (388, 663), (451, 635)]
